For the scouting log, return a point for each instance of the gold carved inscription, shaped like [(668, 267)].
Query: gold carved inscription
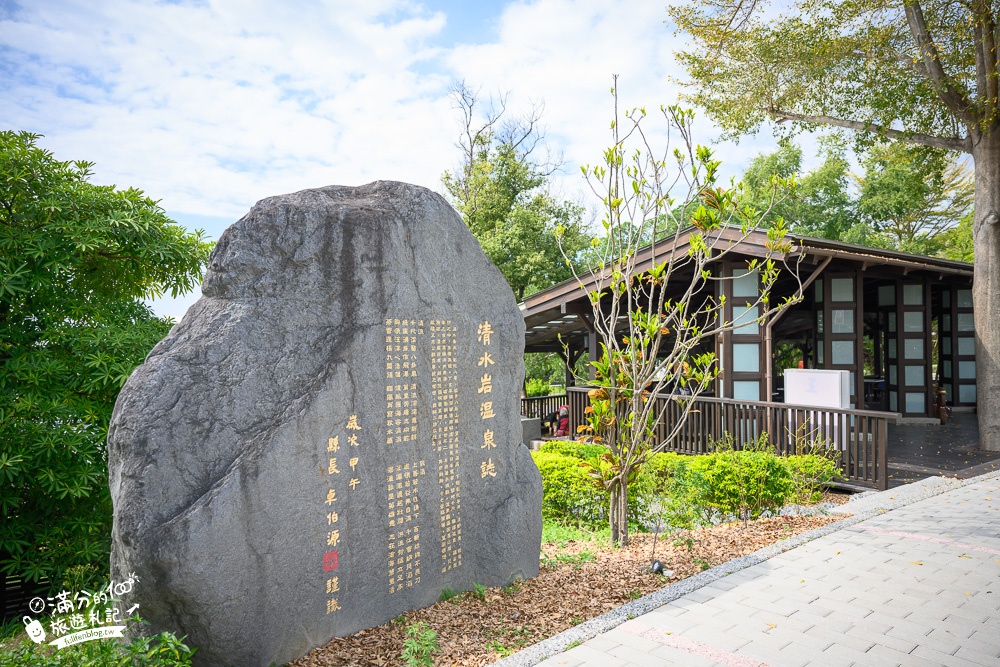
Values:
[(445, 437)]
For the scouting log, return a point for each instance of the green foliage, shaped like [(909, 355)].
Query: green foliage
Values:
[(420, 645), (574, 560), (560, 534), (447, 594), (545, 366), (538, 387), (677, 491), (847, 64), (743, 483), (513, 587), (478, 591), (911, 194), (163, 650), (653, 319), (810, 473), (578, 450), (84, 578), (572, 495), (75, 260), (508, 640), (820, 204), (502, 194), (568, 494), (956, 243)]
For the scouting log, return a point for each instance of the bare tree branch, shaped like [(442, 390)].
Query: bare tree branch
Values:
[(950, 91), (962, 144), (984, 27)]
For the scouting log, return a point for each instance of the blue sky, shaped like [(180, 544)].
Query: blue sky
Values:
[(211, 105)]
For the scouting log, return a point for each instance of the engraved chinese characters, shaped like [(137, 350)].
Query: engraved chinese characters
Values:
[(331, 435), (484, 333), (349, 454), (444, 438)]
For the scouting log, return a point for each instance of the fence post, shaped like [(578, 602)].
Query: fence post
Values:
[(882, 453)]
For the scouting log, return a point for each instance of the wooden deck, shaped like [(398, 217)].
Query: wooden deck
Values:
[(948, 450)]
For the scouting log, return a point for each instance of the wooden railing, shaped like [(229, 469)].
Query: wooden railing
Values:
[(538, 407), (861, 435)]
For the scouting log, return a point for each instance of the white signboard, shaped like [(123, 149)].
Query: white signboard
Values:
[(822, 389)]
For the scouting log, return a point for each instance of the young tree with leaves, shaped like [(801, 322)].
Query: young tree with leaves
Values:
[(914, 71), (501, 191), (650, 321), (75, 261)]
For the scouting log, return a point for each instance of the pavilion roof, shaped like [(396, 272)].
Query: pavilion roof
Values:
[(556, 311)]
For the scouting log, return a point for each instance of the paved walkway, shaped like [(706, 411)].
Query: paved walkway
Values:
[(912, 579)]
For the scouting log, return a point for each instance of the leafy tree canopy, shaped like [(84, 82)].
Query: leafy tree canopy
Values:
[(907, 198), (75, 260), (910, 195), (925, 72), (501, 190), (821, 205)]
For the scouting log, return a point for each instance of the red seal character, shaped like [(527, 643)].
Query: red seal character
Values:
[(330, 561)]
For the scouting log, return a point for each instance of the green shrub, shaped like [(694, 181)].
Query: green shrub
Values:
[(163, 650), (419, 646), (538, 387), (673, 499), (810, 472), (568, 493), (740, 483), (578, 450), (657, 476)]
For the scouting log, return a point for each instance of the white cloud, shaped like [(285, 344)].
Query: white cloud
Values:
[(212, 105)]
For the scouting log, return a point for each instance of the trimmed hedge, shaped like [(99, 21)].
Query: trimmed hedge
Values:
[(682, 490)]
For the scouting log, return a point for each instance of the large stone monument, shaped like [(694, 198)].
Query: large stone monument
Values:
[(331, 436)]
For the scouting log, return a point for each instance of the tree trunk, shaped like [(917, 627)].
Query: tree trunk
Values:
[(986, 286), (618, 512)]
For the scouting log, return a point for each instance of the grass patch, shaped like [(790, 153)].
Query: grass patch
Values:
[(561, 534)]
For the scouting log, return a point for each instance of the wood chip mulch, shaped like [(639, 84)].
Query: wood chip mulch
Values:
[(577, 581)]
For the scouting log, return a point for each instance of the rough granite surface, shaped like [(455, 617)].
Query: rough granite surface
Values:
[(331, 435)]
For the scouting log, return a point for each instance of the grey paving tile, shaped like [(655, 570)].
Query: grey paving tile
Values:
[(854, 597), (839, 652), (715, 637), (941, 658), (589, 656), (561, 660), (985, 641), (883, 639), (633, 656), (900, 658), (772, 656), (631, 639), (969, 653), (601, 642), (828, 622), (674, 656)]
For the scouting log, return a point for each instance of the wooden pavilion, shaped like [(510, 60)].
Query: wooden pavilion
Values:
[(907, 318)]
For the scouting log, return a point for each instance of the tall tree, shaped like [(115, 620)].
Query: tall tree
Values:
[(919, 71), (75, 261), (501, 190), (911, 195), (821, 204)]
